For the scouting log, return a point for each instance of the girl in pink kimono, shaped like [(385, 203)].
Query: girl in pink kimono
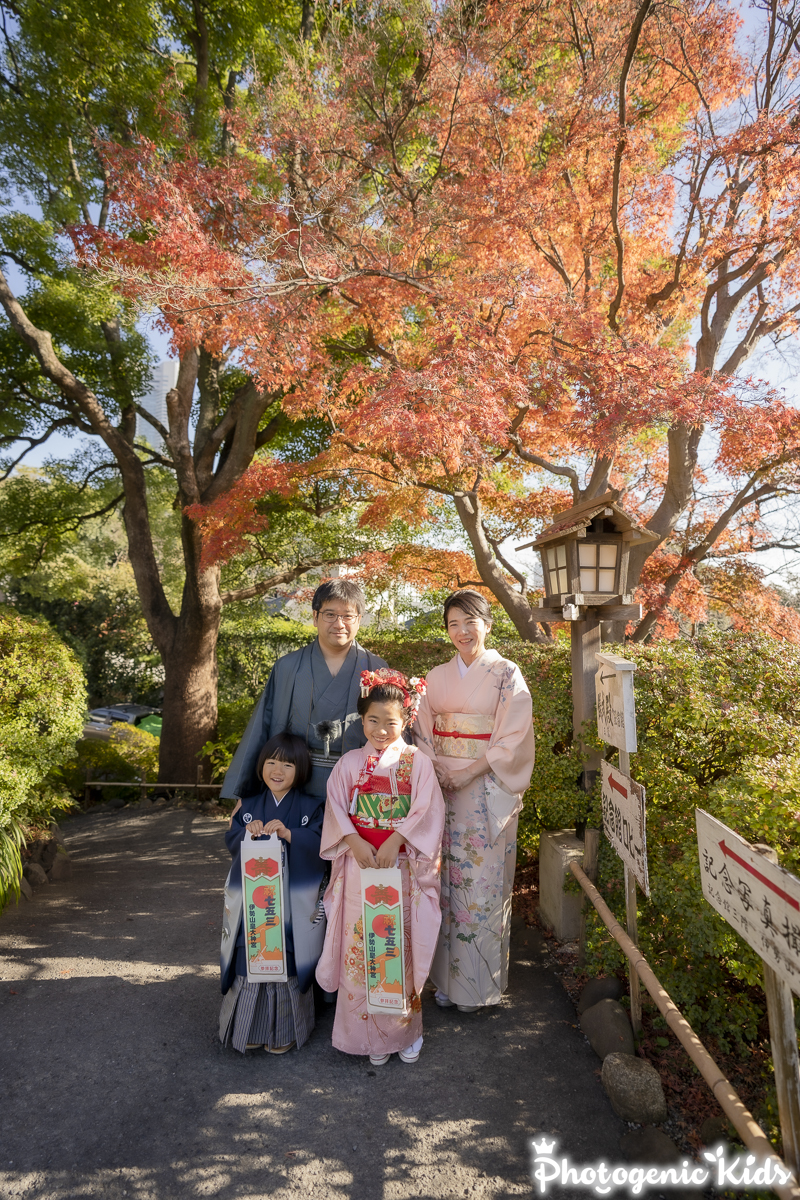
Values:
[(384, 808), (475, 723)]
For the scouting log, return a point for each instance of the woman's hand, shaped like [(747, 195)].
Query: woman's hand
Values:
[(233, 814), (386, 854), (454, 781), (444, 776), (278, 827), (362, 852)]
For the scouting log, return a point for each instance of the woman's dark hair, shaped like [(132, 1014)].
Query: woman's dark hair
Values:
[(339, 589), (384, 693), (471, 603), (288, 748)]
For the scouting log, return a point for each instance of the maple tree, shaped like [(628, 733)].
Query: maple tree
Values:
[(514, 257)]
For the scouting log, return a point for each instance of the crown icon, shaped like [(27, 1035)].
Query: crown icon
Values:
[(544, 1147)]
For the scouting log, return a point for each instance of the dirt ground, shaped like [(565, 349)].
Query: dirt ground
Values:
[(114, 1082)]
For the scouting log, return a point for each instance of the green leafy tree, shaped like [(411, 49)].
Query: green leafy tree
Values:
[(63, 556), (73, 78)]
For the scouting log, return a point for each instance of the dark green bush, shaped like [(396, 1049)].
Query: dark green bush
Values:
[(42, 702)]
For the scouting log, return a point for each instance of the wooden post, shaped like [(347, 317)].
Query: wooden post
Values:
[(143, 788), (630, 920), (87, 789), (591, 844), (585, 642), (785, 1059)]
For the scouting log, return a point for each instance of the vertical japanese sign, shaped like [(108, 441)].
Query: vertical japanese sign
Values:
[(384, 948), (624, 821), (616, 709), (262, 893), (758, 898)]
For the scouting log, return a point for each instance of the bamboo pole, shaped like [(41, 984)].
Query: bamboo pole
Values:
[(723, 1091), (630, 917), (591, 851)]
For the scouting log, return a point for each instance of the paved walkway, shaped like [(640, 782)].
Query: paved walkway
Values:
[(114, 1082)]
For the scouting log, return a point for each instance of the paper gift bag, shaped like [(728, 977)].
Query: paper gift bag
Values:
[(264, 909), (384, 947)]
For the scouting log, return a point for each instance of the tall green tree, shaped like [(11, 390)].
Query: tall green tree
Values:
[(74, 77)]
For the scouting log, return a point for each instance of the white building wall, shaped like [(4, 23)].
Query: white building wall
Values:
[(165, 377)]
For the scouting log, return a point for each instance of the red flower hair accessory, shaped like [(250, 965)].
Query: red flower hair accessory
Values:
[(413, 689)]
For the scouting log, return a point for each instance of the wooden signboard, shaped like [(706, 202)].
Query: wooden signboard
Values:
[(761, 902), (616, 709), (757, 897), (384, 948), (624, 821), (263, 897)]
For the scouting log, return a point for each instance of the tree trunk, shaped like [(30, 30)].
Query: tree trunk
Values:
[(190, 697), (190, 667)]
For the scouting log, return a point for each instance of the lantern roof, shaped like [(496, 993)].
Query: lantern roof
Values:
[(573, 520)]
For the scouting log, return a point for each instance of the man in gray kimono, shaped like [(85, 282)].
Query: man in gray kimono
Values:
[(312, 692)]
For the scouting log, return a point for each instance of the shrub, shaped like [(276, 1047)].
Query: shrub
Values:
[(231, 723), (42, 705), (719, 729), (131, 753)]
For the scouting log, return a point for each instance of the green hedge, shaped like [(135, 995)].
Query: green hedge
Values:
[(42, 706), (719, 729)]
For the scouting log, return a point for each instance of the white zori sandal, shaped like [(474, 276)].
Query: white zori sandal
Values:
[(411, 1053), (379, 1060)]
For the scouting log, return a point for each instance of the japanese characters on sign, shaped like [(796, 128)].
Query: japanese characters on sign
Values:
[(616, 710), (262, 894), (758, 898), (624, 821), (384, 944)]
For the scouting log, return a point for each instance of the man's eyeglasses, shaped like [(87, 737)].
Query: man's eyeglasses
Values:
[(331, 618)]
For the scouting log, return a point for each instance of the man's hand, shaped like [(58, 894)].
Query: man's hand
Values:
[(386, 855), (279, 828), (362, 852)]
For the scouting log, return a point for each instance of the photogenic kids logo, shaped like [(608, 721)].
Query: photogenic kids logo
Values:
[(725, 1170)]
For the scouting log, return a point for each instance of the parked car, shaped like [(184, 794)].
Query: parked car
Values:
[(99, 720)]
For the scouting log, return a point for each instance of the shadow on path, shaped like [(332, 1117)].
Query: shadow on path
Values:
[(115, 1084)]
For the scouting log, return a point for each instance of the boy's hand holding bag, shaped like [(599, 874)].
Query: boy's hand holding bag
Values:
[(264, 908)]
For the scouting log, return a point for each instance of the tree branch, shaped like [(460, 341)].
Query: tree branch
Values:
[(568, 472), (622, 138)]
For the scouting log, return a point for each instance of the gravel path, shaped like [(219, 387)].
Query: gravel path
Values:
[(114, 1082)]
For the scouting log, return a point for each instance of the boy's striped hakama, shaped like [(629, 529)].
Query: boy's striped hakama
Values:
[(266, 1014)]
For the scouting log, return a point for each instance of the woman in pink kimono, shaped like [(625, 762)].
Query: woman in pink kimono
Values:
[(475, 723), (384, 808)]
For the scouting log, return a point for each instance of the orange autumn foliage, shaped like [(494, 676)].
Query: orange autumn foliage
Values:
[(475, 241)]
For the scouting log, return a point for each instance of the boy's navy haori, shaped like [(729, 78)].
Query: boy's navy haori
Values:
[(305, 872)]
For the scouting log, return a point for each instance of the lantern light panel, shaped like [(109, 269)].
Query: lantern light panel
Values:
[(598, 567)]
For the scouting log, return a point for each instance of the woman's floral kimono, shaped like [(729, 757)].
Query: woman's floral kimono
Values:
[(341, 966), (467, 713)]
